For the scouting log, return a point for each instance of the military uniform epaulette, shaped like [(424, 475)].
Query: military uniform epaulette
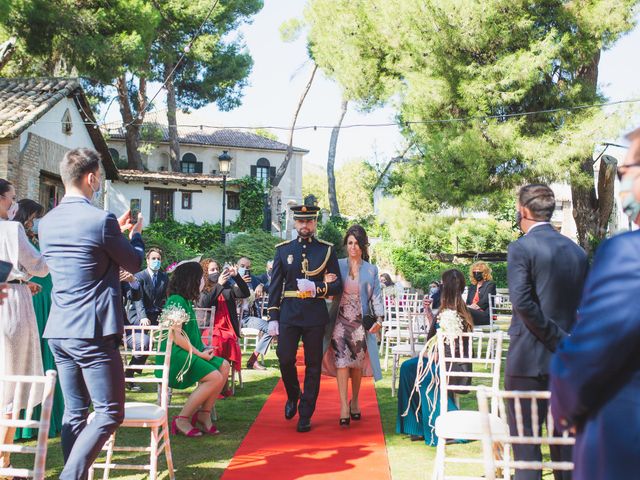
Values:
[(284, 243), (325, 242)]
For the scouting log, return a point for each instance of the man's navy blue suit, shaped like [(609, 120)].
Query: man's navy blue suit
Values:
[(595, 372), (84, 249)]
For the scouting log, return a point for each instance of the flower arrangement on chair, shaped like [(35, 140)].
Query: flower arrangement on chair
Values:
[(174, 317)]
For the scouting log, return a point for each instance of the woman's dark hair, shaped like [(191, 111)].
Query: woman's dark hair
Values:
[(361, 237), (451, 295), (185, 281), (28, 207), (387, 279), (5, 186)]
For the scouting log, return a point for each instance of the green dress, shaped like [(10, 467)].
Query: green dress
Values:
[(42, 305), (197, 367)]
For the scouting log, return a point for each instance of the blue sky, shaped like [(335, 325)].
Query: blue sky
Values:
[(282, 69)]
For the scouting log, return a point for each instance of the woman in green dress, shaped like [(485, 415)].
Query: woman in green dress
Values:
[(201, 366), (29, 213)]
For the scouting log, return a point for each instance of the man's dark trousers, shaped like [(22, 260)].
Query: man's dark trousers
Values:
[(89, 371), (288, 339), (532, 452)]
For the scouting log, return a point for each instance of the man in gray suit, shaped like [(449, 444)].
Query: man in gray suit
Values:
[(85, 249), (546, 272)]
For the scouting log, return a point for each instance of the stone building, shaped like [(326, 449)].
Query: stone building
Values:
[(40, 120)]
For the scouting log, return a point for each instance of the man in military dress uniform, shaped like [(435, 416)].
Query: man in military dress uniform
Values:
[(297, 309)]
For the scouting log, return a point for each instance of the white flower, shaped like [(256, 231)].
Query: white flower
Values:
[(173, 316), (450, 324)]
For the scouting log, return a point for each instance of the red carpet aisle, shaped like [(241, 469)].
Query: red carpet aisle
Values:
[(274, 450)]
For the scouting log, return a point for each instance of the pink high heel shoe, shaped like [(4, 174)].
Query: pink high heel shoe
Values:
[(197, 423), (194, 432)]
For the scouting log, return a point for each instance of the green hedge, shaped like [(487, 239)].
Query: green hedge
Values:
[(420, 269)]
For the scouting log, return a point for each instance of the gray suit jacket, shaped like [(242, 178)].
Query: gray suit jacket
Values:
[(84, 249)]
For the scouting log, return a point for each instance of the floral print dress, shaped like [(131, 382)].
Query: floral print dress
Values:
[(349, 336)]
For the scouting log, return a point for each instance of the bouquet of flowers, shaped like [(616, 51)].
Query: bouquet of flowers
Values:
[(451, 327), (173, 316)]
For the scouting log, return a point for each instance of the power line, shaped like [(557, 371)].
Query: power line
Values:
[(175, 67)]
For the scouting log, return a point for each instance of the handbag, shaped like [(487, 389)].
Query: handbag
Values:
[(369, 319)]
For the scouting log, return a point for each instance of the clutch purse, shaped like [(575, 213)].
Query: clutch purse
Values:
[(368, 321)]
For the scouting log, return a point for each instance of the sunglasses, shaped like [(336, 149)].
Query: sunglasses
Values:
[(622, 169)]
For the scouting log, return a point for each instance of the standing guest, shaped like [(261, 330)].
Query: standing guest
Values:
[(153, 284), (209, 266), (482, 285), (595, 373), (299, 289), (29, 215), (546, 273), (191, 362), (85, 249), (19, 340), (226, 326), (353, 351), (250, 317), (421, 413)]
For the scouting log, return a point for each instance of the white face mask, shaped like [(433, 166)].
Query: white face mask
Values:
[(97, 194), (13, 210), (34, 229)]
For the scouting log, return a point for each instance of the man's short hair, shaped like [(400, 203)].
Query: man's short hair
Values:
[(539, 199), (154, 250), (77, 163)]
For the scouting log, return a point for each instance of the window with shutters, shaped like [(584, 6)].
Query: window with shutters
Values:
[(190, 164), (263, 171), (233, 201)]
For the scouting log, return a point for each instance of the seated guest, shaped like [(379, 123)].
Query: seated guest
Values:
[(226, 327), (250, 313), (419, 422), (204, 368), (154, 283), (434, 295), (481, 287)]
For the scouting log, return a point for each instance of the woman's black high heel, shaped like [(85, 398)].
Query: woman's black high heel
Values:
[(344, 422), (354, 416)]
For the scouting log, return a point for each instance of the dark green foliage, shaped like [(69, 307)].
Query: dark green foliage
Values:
[(258, 246), (252, 198), (333, 231), (196, 238)]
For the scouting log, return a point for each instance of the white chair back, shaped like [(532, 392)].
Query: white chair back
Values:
[(537, 436), (470, 349), (39, 390), (156, 336), (500, 308)]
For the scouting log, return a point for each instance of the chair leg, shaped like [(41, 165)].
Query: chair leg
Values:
[(153, 454), (233, 378), (240, 378), (110, 444), (438, 467), (394, 373), (167, 451)]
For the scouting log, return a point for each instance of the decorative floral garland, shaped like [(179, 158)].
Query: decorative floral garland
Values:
[(174, 317)]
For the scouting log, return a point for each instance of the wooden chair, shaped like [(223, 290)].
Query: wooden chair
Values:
[(41, 390), (144, 415), (492, 436), (468, 348)]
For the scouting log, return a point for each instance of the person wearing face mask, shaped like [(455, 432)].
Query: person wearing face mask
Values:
[(29, 215), (20, 351), (223, 296), (595, 373), (481, 287), (191, 361), (546, 273), (85, 249)]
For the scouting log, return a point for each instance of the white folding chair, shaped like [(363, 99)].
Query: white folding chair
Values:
[(468, 348), (492, 436), (418, 327), (500, 309), (141, 414), (40, 391)]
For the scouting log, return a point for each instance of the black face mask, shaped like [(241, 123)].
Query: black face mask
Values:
[(214, 277), (478, 276)]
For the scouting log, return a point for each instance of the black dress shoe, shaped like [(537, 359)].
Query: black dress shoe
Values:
[(132, 387), (304, 425), (290, 409)]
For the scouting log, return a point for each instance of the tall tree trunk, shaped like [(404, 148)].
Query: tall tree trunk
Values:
[(6, 51), (331, 160), (174, 144), (591, 209), (132, 125), (287, 158)]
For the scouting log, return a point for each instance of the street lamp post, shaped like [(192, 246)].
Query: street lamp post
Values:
[(224, 167)]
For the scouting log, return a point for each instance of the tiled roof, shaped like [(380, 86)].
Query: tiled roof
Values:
[(212, 136), (25, 100), (172, 177)]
